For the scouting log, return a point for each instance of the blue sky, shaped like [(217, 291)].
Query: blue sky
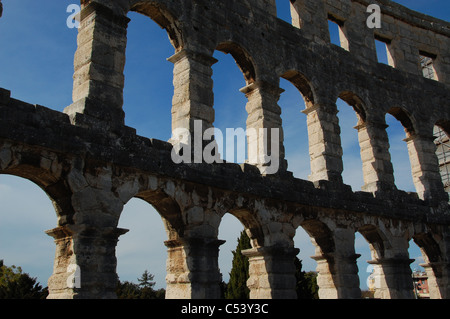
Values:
[(36, 64)]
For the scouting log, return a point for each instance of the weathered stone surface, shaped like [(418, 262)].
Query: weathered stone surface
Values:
[(90, 164)]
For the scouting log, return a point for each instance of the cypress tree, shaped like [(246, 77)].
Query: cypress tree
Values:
[(306, 282), (237, 286), (306, 286)]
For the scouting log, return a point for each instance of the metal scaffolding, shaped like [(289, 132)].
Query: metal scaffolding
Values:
[(426, 64), (442, 142)]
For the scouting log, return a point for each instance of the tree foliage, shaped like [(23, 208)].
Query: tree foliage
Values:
[(306, 286), (14, 284), (237, 286), (306, 282), (143, 290)]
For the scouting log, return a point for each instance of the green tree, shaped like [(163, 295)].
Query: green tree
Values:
[(146, 284), (17, 285), (143, 290), (306, 282), (306, 286), (128, 290), (146, 280), (237, 286)]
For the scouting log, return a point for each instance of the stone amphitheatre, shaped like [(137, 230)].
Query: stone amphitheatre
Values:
[(91, 164)]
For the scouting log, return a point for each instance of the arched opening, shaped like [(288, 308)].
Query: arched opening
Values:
[(321, 238), (238, 225), (241, 58), (153, 243), (142, 248), (370, 245), (229, 103), (148, 87), (230, 231), (27, 212), (398, 124), (295, 130), (366, 252), (294, 100), (428, 271), (419, 275), (233, 72), (163, 17), (303, 241), (349, 120)]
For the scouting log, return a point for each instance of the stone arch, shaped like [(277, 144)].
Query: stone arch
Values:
[(351, 108), (44, 170), (391, 272), (252, 226), (163, 194), (356, 103), (246, 221), (242, 57), (160, 196), (429, 246), (444, 125), (422, 154), (168, 209), (400, 128), (245, 210), (263, 112), (321, 237), (376, 239), (404, 118), (301, 82), (295, 128), (234, 69), (51, 174), (435, 262), (323, 129), (28, 216), (390, 276), (142, 247), (163, 16), (371, 141)]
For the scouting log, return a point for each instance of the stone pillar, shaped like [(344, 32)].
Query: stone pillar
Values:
[(324, 143), (425, 168), (438, 279), (337, 276), (85, 262), (264, 127), (344, 263), (99, 64), (271, 272), (325, 280), (193, 269), (393, 278), (376, 159), (193, 93)]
